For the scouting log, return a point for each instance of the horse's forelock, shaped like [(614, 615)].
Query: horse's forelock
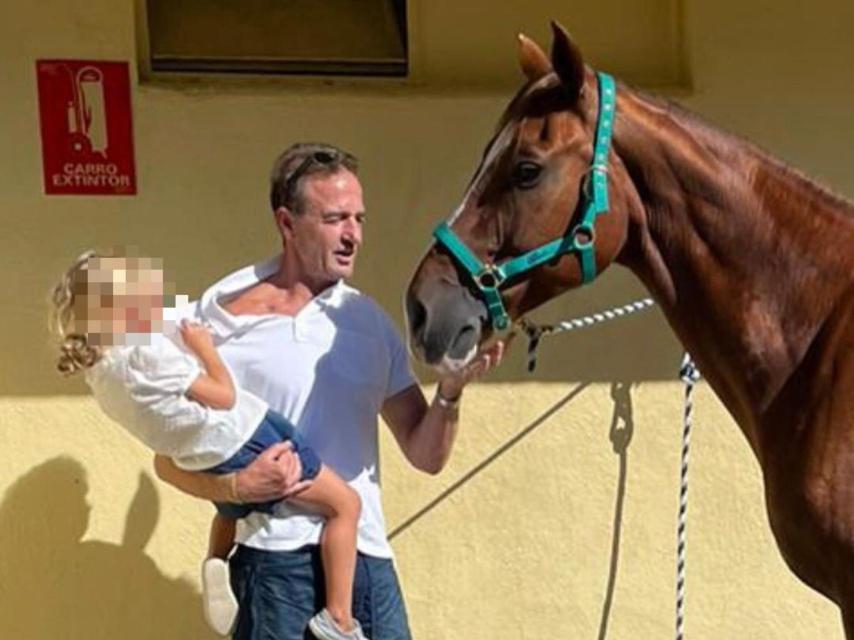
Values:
[(530, 95)]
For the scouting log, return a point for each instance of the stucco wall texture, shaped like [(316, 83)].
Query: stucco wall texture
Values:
[(557, 513)]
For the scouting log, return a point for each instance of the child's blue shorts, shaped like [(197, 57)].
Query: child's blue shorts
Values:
[(274, 428)]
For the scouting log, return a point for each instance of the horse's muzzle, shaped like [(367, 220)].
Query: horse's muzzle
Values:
[(445, 324)]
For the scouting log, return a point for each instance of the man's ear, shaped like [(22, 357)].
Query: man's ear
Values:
[(284, 222)]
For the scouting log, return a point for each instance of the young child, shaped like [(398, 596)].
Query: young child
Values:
[(176, 395)]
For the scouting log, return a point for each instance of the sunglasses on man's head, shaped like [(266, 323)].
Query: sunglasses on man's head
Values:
[(321, 158)]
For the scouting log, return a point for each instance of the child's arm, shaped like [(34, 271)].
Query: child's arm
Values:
[(214, 387)]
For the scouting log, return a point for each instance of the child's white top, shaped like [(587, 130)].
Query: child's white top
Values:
[(143, 387)]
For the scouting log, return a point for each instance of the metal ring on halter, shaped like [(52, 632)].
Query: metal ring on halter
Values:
[(488, 278), (583, 236)]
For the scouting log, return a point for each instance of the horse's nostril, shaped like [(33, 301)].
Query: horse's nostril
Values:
[(416, 314), (464, 337)]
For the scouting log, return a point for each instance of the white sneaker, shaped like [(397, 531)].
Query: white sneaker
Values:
[(324, 628), (218, 601)]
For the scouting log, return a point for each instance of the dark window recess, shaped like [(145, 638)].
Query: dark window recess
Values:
[(317, 37)]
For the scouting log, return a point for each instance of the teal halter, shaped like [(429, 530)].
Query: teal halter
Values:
[(580, 240)]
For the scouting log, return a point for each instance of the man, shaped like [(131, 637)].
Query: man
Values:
[(330, 360)]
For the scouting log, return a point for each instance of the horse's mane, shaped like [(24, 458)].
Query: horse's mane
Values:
[(703, 129)]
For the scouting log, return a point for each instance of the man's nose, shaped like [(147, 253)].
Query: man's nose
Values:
[(352, 232)]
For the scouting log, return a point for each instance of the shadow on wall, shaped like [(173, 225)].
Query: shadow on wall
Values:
[(620, 433), (486, 462), (53, 584)]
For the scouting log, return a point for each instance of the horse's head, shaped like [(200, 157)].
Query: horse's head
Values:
[(530, 209)]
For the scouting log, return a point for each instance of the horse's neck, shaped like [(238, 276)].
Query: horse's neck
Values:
[(743, 254)]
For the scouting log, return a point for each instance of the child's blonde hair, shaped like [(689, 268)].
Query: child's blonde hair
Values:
[(76, 353)]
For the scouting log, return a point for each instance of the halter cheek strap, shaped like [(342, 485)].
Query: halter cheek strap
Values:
[(581, 239)]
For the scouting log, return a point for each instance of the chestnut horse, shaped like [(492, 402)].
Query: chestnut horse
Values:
[(751, 262)]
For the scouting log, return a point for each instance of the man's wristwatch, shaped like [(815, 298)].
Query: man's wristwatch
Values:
[(448, 403)]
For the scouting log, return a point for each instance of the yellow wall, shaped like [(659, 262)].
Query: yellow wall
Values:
[(518, 534)]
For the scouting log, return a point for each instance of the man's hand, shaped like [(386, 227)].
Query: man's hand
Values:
[(451, 385), (425, 432), (273, 475), (197, 337)]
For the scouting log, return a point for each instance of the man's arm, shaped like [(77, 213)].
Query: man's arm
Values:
[(273, 475), (426, 433), (201, 485)]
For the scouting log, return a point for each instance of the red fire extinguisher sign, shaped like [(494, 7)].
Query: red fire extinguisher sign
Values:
[(86, 127)]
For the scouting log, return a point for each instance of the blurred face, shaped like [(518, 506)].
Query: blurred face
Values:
[(325, 236), (120, 296)]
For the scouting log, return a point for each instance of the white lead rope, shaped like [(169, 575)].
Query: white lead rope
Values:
[(535, 332), (689, 374)]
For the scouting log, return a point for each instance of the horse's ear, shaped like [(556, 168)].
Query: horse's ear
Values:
[(533, 60), (567, 61)]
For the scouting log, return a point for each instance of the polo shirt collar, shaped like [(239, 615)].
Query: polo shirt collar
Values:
[(224, 324)]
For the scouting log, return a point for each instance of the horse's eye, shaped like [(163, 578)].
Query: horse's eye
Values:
[(526, 174)]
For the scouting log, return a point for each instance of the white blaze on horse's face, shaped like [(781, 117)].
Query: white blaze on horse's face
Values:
[(504, 142), (498, 147)]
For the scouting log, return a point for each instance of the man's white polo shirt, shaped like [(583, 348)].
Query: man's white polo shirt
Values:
[(328, 370)]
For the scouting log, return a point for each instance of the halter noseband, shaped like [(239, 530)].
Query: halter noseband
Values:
[(489, 278)]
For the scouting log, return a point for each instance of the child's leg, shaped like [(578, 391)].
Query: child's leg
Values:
[(333, 498), (218, 601), (221, 537)]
